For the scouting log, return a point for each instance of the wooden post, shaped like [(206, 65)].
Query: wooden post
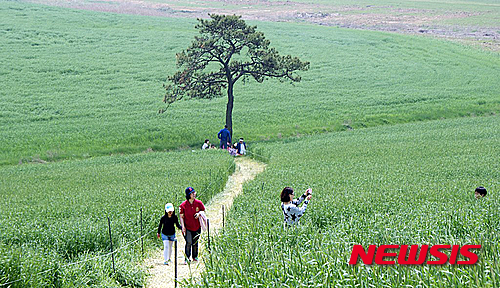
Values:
[(142, 239), (208, 232), (111, 242), (175, 263)]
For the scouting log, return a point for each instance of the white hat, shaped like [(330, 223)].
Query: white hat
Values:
[(169, 207)]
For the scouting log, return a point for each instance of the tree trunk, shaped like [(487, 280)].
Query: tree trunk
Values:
[(229, 109)]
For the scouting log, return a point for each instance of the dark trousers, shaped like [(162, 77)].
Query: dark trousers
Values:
[(192, 242), (223, 144)]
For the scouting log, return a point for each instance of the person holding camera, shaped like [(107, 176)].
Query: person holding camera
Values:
[(290, 208)]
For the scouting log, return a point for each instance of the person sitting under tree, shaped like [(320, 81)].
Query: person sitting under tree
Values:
[(206, 144), (241, 147), (232, 149)]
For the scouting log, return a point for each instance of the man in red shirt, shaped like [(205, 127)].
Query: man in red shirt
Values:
[(191, 229)]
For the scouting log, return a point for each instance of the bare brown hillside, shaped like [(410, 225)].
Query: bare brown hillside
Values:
[(370, 17)]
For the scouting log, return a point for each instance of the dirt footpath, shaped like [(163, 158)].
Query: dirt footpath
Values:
[(162, 275)]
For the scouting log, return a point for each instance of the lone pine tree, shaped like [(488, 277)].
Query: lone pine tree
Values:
[(221, 38)]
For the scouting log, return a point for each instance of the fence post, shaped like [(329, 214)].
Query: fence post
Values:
[(222, 216), (111, 242), (142, 239), (208, 232), (175, 263)]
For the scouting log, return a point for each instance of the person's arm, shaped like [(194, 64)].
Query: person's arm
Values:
[(159, 228), (298, 201), (183, 227), (176, 222), (181, 214), (202, 208), (302, 197), (218, 134)]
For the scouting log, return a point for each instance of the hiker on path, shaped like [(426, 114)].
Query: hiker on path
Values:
[(190, 213), (167, 232), (290, 208), (225, 137)]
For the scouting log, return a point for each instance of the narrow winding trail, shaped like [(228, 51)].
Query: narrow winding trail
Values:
[(163, 275)]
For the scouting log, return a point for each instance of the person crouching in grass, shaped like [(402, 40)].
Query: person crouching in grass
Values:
[(206, 145), (480, 192), (290, 208)]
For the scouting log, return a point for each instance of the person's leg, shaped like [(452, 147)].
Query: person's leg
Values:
[(170, 245), (189, 243), (165, 250), (196, 237)]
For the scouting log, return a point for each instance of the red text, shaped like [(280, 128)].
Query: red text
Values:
[(388, 254)]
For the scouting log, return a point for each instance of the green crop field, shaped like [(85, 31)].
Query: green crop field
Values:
[(393, 132), (404, 184), (54, 215), (85, 83)]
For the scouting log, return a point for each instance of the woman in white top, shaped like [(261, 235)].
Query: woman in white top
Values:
[(206, 145), (290, 208)]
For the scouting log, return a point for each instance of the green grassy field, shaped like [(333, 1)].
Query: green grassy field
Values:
[(404, 184), (84, 84), (56, 214)]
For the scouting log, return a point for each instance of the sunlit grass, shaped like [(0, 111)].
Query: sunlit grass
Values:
[(405, 184), (55, 214)]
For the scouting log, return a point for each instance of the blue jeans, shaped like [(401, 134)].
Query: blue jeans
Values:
[(167, 237)]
